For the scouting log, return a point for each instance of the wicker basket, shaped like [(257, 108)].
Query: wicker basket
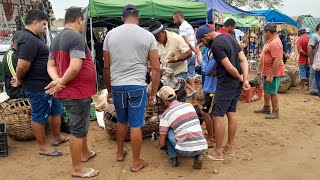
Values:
[(16, 113), (151, 120)]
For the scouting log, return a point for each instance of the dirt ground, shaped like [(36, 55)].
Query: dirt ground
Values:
[(287, 148)]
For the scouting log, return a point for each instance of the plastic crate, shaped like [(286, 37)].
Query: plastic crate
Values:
[(3, 140), (253, 94), (93, 115)]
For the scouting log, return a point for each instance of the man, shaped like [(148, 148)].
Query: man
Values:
[(228, 27), (272, 68), (187, 32), (312, 49), (209, 89), (32, 59), (302, 46), (173, 50), (283, 37), (74, 78), (180, 130), (9, 63), (127, 51), (232, 74)]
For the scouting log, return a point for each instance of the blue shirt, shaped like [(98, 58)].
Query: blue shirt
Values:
[(208, 66)]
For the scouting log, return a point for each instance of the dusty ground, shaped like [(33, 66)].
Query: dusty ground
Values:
[(287, 148)]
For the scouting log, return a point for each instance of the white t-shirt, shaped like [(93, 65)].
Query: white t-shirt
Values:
[(185, 29)]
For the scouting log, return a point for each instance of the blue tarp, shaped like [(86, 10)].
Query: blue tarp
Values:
[(222, 7), (276, 17)]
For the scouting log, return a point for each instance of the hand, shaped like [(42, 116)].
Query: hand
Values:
[(269, 79), (152, 101), (54, 87), (15, 82), (199, 60), (171, 60), (246, 85), (109, 97), (213, 73)]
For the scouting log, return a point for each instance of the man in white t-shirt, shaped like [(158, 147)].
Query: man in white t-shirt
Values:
[(312, 49), (187, 32)]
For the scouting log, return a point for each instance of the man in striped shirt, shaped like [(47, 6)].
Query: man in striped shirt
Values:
[(180, 129)]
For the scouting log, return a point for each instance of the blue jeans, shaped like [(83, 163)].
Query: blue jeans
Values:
[(172, 151), (191, 66), (312, 81), (130, 103), (317, 79)]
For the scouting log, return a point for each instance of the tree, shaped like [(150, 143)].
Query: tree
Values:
[(256, 4)]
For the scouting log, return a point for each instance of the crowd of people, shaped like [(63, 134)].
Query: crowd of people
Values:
[(65, 75)]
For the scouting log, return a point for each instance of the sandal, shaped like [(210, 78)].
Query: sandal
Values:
[(64, 140), (92, 173), (145, 164), (229, 153), (123, 156), (93, 154), (53, 153)]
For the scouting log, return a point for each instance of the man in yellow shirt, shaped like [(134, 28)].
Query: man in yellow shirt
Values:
[(172, 49)]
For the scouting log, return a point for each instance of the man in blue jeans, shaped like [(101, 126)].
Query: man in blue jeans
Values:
[(128, 49), (180, 129), (31, 70)]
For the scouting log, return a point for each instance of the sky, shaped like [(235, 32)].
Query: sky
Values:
[(290, 7)]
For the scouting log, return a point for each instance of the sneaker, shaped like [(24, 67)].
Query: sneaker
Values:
[(174, 161), (197, 164), (264, 110), (273, 115)]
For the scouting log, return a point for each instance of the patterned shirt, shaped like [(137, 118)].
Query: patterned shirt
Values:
[(183, 119)]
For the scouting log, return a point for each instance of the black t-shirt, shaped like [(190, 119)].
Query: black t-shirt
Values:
[(226, 46), (31, 48)]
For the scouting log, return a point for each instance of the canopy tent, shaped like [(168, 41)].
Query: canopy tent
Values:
[(110, 11), (275, 17), (220, 6)]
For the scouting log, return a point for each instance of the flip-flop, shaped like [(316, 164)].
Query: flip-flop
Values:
[(53, 153), (212, 158), (64, 140), (93, 154), (88, 175), (145, 164), (226, 152), (123, 157)]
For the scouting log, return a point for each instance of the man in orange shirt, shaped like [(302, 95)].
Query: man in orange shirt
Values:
[(302, 46), (272, 68)]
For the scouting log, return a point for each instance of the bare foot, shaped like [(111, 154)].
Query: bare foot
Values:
[(142, 165), (121, 155), (60, 141), (85, 173)]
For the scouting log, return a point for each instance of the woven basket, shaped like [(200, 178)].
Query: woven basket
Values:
[(151, 120), (16, 113)]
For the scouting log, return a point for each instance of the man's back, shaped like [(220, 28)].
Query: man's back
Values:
[(183, 119), (129, 47), (185, 29), (226, 46), (302, 43)]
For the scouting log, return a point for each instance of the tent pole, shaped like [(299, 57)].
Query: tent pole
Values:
[(207, 20), (92, 42)]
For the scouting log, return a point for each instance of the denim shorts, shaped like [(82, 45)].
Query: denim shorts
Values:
[(304, 71), (130, 104), (79, 111), (192, 66), (43, 105)]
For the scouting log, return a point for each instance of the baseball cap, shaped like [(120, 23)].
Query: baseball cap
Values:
[(156, 27), (302, 30), (202, 30), (307, 30), (129, 9), (16, 35), (270, 27), (166, 93)]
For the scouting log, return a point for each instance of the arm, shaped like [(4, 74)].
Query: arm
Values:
[(189, 44), (300, 50), (244, 66), (184, 49), (231, 69), (72, 71), (155, 70), (198, 52), (23, 67), (107, 65), (162, 141), (209, 67), (184, 56), (52, 69), (310, 54)]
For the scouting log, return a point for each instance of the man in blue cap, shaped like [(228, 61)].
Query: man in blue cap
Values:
[(232, 74)]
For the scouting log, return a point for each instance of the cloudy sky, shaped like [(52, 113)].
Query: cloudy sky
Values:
[(291, 7)]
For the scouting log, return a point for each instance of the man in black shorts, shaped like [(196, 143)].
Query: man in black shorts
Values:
[(232, 74)]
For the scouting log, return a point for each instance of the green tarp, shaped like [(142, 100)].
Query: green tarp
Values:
[(160, 9), (241, 20)]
